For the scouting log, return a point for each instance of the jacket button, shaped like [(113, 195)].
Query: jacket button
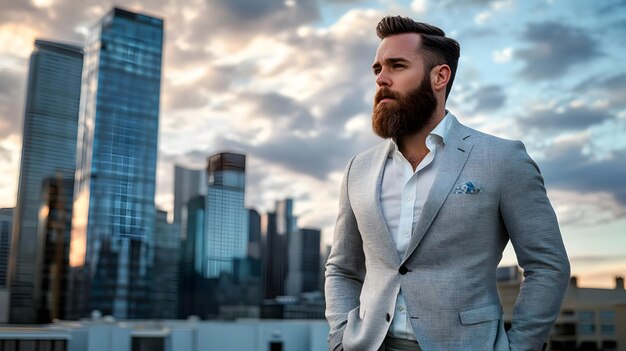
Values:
[(403, 270), (387, 317)]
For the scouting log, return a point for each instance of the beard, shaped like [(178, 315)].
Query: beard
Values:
[(407, 114)]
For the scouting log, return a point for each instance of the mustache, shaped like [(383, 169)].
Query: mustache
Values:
[(384, 93)]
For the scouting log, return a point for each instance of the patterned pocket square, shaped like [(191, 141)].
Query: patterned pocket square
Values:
[(467, 188)]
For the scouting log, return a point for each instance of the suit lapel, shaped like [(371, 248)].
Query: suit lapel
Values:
[(378, 220), (455, 154)]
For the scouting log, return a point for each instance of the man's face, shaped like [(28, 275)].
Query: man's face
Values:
[(404, 101)]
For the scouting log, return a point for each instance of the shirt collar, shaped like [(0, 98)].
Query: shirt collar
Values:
[(441, 130)]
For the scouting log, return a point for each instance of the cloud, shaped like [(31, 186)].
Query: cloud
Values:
[(568, 119), (488, 98), (503, 56), (317, 156), (6, 155), (609, 88), (566, 166), (12, 88), (555, 48)]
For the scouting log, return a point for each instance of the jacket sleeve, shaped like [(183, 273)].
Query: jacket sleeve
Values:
[(345, 268), (534, 232)]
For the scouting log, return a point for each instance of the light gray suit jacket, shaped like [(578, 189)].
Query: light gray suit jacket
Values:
[(448, 274)]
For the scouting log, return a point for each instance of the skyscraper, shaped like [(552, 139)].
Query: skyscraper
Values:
[(192, 292), (254, 234), (187, 184), (304, 261), (166, 269), (226, 217), (48, 150), (113, 221), (6, 223), (276, 229)]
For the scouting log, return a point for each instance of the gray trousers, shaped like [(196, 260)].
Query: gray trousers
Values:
[(393, 344)]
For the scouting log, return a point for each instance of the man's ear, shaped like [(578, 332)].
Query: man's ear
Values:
[(440, 76)]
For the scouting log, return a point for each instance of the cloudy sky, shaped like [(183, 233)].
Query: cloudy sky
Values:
[(289, 83)]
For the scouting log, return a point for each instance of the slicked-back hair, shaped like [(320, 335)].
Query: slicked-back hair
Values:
[(436, 47)]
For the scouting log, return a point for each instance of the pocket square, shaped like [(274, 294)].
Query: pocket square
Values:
[(467, 188)]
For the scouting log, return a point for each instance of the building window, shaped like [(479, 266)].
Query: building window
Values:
[(607, 329), (609, 345), (587, 322)]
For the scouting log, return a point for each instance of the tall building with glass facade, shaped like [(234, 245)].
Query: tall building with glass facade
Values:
[(192, 292), (6, 223), (276, 229), (166, 269), (48, 151), (304, 261), (113, 224), (226, 217), (187, 184)]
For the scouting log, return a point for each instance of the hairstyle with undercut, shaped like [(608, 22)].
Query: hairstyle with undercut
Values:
[(436, 47)]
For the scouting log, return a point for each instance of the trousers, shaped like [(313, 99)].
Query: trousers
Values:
[(394, 344)]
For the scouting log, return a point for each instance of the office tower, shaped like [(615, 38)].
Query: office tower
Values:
[(54, 229), (187, 184), (193, 295), (6, 223), (226, 217), (113, 220), (276, 229), (48, 150), (303, 254), (254, 234), (166, 254)]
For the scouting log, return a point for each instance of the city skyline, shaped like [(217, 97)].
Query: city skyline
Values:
[(543, 72)]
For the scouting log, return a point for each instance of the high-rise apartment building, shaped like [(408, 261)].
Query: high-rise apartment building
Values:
[(113, 224), (48, 151), (226, 217)]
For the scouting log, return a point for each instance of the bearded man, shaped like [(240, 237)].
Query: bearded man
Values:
[(425, 215)]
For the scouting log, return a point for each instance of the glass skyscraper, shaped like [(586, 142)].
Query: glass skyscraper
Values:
[(226, 217), (187, 184), (303, 254), (113, 221), (6, 223), (166, 269), (277, 228), (48, 151)]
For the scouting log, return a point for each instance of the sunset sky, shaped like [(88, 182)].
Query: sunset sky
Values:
[(289, 84)]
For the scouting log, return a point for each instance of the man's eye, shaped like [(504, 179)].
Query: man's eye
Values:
[(397, 65)]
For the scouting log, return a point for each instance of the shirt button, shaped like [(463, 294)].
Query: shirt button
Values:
[(401, 308), (409, 198)]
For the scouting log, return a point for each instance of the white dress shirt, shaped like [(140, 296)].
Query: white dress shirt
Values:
[(403, 194)]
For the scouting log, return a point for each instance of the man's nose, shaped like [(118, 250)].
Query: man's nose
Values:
[(383, 79)]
